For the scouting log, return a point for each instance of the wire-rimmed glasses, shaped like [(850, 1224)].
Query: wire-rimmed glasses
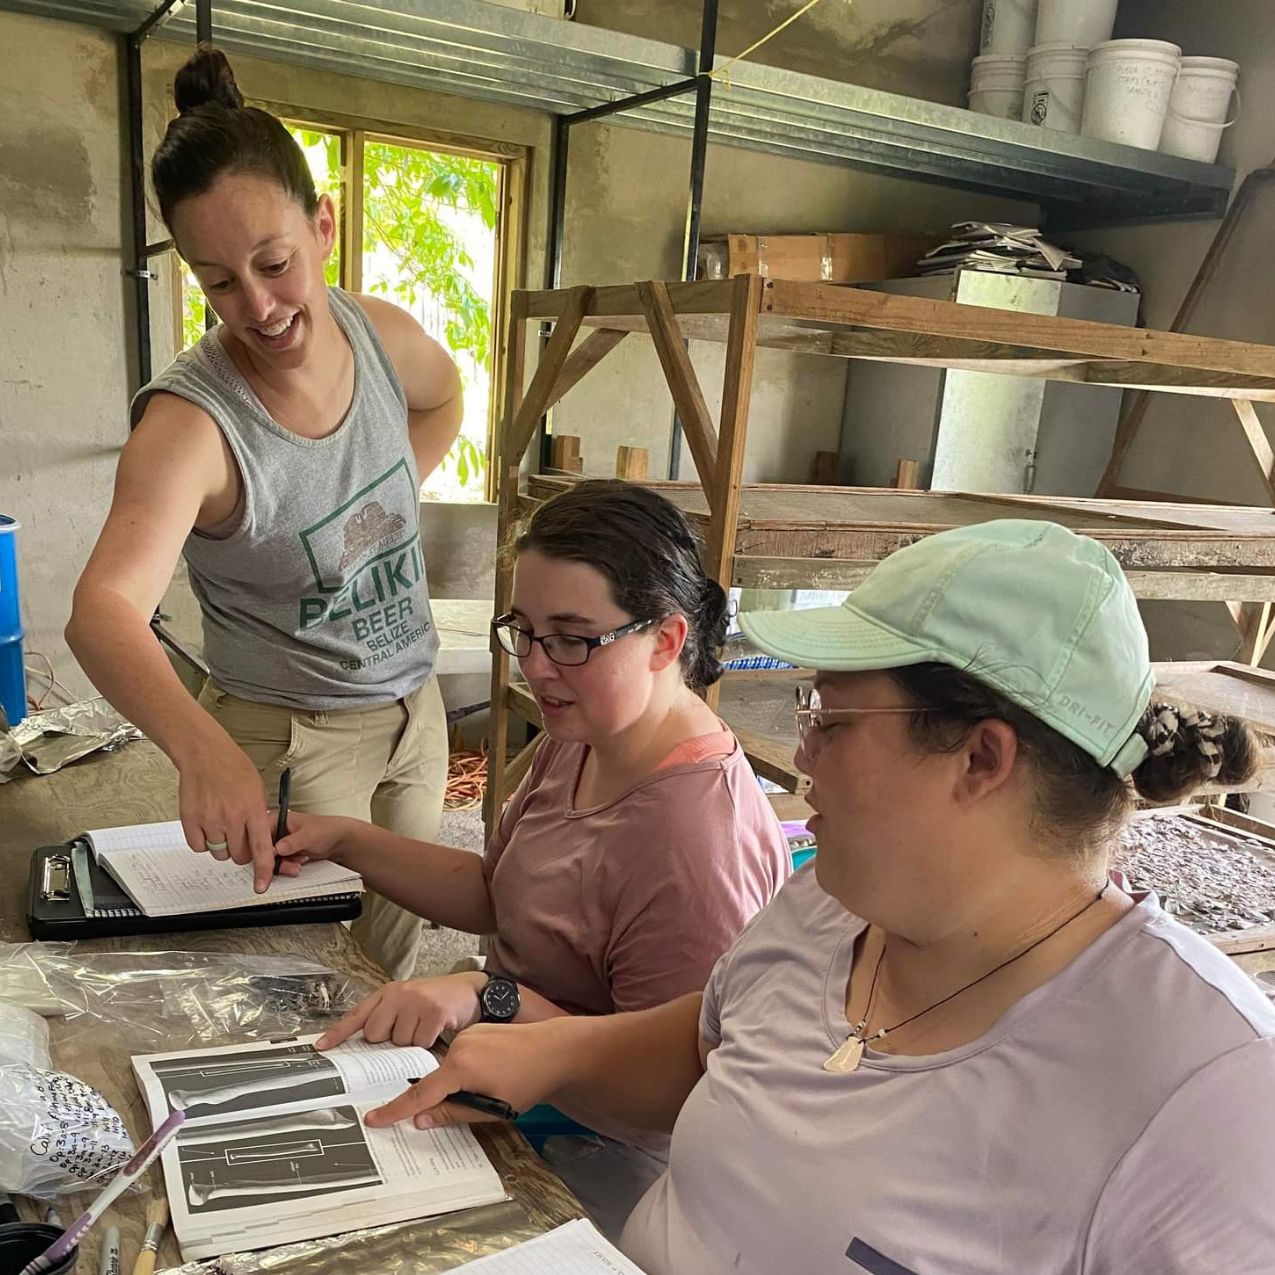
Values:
[(813, 718)]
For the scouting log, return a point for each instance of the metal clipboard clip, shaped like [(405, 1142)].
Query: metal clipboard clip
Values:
[(56, 879)]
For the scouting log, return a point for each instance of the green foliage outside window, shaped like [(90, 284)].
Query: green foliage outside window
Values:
[(422, 211)]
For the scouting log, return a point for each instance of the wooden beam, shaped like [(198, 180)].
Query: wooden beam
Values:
[(632, 463), (761, 572), (504, 481), (771, 758), (1258, 444), (789, 806), (548, 371), (517, 769), (564, 454), (906, 475), (683, 384), (1184, 380), (1074, 338), (737, 388), (1166, 497), (1253, 619), (970, 353), (708, 297), (521, 700), (583, 359)]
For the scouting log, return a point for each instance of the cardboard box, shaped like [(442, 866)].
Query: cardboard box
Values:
[(827, 258)]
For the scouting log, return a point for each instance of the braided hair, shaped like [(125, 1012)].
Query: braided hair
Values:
[(1081, 803)]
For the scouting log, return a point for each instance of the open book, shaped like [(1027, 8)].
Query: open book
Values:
[(274, 1148), (160, 873)]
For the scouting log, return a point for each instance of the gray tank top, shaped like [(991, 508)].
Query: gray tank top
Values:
[(315, 596)]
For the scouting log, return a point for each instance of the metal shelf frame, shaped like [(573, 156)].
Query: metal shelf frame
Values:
[(581, 74)]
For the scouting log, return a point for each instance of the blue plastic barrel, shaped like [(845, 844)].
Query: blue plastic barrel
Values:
[(13, 678)]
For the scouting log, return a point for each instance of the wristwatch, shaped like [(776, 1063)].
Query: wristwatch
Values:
[(499, 1000)]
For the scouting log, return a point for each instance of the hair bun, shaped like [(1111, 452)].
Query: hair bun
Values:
[(206, 80), (1187, 747)]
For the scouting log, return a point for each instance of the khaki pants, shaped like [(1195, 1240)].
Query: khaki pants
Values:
[(385, 764)]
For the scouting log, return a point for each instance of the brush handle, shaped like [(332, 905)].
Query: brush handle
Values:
[(145, 1264)]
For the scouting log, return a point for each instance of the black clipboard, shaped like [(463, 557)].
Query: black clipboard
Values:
[(55, 908)]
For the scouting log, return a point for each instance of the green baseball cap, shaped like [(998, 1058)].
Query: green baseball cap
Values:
[(1035, 611)]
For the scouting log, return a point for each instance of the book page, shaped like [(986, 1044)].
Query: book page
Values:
[(574, 1249), (276, 1078), (171, 881), (253, 1171), (268, 1182)]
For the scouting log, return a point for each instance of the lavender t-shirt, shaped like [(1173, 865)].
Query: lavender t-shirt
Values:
[(1119, 1120)]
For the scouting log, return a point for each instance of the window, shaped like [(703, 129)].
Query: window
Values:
[(422, 226)]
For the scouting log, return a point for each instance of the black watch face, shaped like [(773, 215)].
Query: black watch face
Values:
[(500, 998)]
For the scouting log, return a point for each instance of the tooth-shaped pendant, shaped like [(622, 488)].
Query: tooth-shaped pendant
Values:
[(847, 1057)]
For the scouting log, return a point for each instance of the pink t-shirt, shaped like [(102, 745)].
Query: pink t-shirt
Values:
[(629, 904)]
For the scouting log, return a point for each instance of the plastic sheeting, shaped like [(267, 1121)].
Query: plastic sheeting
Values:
[(167, 1000)]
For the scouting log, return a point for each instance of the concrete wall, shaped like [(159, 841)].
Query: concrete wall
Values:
[(894, 45), (1194, 446), (63, 384)]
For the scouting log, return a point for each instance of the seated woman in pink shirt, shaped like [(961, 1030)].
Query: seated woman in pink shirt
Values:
[(638, 845)]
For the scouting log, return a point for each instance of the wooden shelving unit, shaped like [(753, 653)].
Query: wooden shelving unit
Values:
[(781, 537)]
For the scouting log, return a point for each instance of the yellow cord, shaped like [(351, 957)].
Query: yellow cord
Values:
[(723, 72)]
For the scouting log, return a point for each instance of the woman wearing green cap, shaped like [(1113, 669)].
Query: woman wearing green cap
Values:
[(957, 1043)]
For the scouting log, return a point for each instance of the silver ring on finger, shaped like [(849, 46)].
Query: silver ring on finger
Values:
[(216, 845)]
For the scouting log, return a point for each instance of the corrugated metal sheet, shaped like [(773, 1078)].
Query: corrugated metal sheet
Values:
[(487, 51)]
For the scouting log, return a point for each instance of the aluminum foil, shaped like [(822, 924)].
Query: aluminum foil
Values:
[(411, 1248), (47, 741)]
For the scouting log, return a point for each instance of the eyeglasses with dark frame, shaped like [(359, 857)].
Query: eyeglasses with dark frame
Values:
[(813, 718), (566, 649)]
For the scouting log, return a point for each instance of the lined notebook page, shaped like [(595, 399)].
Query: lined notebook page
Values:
[(574, 1249), (164, 877), (141, 836)]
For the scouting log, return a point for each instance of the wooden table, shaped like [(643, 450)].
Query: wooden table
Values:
[(135, 785)]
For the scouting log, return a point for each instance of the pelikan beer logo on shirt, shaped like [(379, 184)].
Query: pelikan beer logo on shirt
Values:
[(366, 561)]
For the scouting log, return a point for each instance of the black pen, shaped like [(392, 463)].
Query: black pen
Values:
[(477, 1102), (281, 829)]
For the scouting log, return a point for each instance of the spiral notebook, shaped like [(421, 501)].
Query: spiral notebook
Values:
[(145, 879), (160, 874)]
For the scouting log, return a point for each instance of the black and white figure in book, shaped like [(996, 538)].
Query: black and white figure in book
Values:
[(269, 1161)]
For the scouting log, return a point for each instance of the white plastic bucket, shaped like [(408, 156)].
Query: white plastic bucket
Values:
[(1082, 23), (996, 85), (1128, 90), (1054, 91), (1009, 26), (1199, 107)]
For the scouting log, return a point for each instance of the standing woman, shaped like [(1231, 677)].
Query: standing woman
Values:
[(281, 457)]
